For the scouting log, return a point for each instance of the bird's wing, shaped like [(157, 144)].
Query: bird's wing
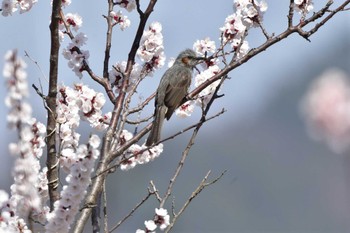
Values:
[(177, 90)]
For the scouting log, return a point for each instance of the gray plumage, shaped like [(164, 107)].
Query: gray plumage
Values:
[(172, 89)]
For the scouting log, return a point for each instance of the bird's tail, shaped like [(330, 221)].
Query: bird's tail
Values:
[(159, 116)]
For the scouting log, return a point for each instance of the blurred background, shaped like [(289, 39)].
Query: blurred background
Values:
[(278, 179)]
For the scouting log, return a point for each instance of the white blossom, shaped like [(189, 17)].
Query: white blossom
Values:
[(203, 46), (78, 181), (8, 7), (151, 50), (66, 3), (206, 94), (129, 5), (136, 154), (25, 196), (162, 218), (122, 20), (74, 20), (150, 225), (116, 75), (185, 110), (303, 6), (79, 39)]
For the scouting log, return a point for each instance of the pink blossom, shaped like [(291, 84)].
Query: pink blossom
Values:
[(326, 107)]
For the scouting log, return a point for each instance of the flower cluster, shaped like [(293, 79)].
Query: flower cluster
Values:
[(9, 222), (248, 14), (129, 5), (116, 75), (72, 105), (162, 219), (76, 56), (25, 195), (202, 47), (16, 82), (151, 50), (326, 107), (303, 6), (72, 20), (136, 154), (119, 18), (10, 6), (233, 28), (29, 191), (250, 11), (91, 104), (78, 181), (205, 95)]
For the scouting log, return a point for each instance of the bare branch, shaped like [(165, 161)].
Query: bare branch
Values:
[(203, 184)]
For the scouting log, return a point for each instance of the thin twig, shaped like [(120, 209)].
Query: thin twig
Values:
[(150, 193), (37, 65), (154, 190)]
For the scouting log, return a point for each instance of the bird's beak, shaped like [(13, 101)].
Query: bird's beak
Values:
[(200, 59)]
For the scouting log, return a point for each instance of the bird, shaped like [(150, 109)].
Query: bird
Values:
[(172, 89)]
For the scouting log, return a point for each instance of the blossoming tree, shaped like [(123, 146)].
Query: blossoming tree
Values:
[(38, 199)]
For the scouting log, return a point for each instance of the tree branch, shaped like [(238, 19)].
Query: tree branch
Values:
[(52, 157)]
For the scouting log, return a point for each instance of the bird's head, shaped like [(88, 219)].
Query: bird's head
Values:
[(188, 58)]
